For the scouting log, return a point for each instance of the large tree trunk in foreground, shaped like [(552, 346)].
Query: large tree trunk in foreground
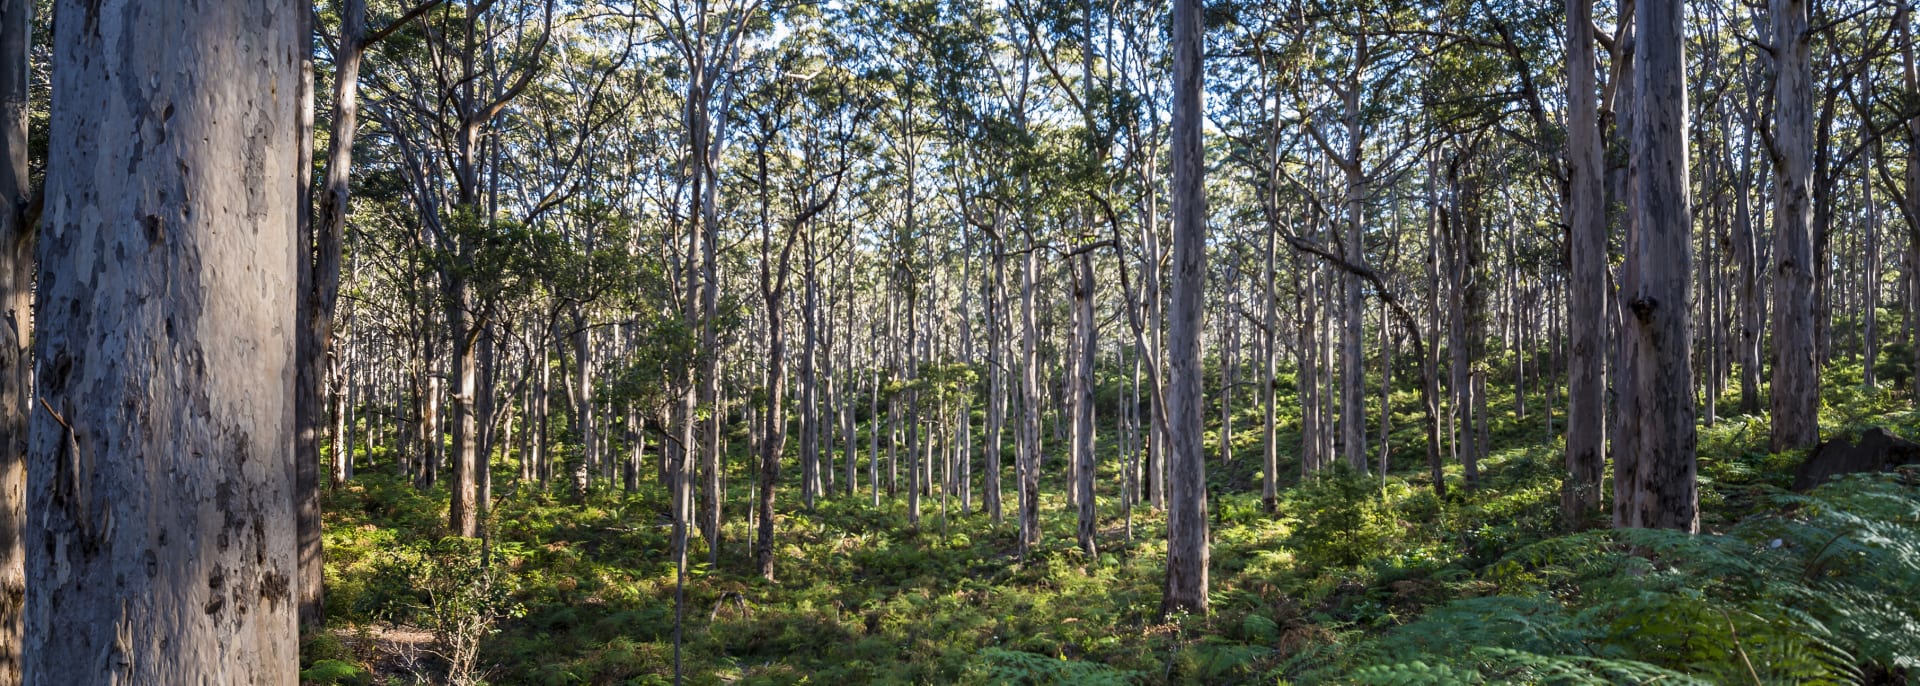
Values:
[(160, 460), (1586, 300), (1654, 459), (1186, 584), (1796, 381), (16, 330)]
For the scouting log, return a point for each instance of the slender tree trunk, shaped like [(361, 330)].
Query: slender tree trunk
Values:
[(1309, 374), (809, 383), (1910, 202), (1083, 446), (1270, 354), (309, 400), (1870, 305), (1029, 459), (1746, 254), (774, 441), (1157, 439), (166, 349), (996, 375), (873, 434), (1353, 394), (1224, 347), (1388, 342)]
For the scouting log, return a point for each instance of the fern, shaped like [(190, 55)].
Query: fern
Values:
[(1820, 589), (1013, 668)]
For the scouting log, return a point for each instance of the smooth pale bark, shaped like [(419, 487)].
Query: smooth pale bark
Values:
[(580, 393), (964, 439), (1387, 344), (849, 432), (1270, 353), (1308, 362), (1226, 348), (1795, 395), (1654, 460), (873, 433), (914, 462), (1870, 304), (1151, 293), (996, 375), (1028, 460), (160, 456), (16, 332), (1746, 259), (1186, 581), (809, 381), (1130, 438), (346, 400), (1586, 217), (894, 371)]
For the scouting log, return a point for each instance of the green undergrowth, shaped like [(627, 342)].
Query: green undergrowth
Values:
[(1355, 579)]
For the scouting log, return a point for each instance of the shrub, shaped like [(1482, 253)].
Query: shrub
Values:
[(1339, 519)]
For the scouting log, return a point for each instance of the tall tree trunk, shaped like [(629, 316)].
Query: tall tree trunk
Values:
[(167, 351), (1654, 465), (1270, 354), (580, 391), (1186, 583), (1029, 458), (1225, 346), (873, 432), (1796, 381), (1353, 377), (1083, 444), (461, 508), (1870, 305), (1460, 305), (996, 374), (16, 333), (809, 381), (774, 441), (1309, 374), (1910, 202), (1746, 257), (1157, 439), (1586, 217), (309, 408)]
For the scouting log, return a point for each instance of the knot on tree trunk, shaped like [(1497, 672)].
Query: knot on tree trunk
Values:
[(1644, 306)]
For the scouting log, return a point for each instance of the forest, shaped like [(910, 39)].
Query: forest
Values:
[(386, 342)]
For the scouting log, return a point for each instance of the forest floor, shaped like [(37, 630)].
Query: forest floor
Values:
[(1356, 580)]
